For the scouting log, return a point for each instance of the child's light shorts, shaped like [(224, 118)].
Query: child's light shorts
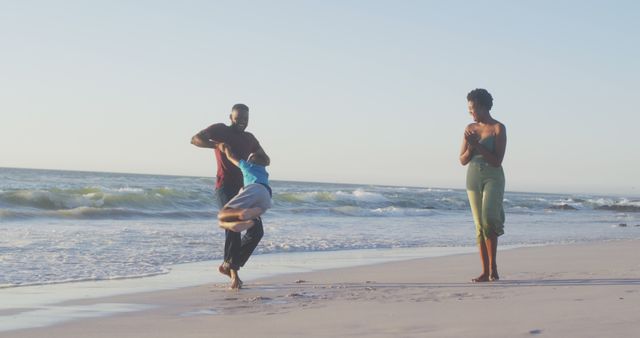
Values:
[(251, 196)]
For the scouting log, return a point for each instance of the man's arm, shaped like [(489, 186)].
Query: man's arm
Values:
[(199, 141), (261, 152), (204, 139)]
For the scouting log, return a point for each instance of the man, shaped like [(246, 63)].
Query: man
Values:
[(229, 181)]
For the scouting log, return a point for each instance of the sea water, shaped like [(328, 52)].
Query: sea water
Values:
[(62, 226)]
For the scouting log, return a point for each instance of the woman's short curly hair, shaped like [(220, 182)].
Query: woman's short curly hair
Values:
[(481, 97)]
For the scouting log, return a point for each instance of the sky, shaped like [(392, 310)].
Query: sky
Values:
[(366, 92)]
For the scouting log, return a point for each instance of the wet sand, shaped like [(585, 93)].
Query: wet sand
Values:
[(579, 290)]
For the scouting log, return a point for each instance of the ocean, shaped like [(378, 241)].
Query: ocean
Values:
[(63, 226)]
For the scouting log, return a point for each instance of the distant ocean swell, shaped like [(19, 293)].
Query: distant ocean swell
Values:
[(103, 213), (55, 199), (198, 202)]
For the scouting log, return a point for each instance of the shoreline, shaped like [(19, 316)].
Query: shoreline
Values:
[(604, 277), (205, 272)]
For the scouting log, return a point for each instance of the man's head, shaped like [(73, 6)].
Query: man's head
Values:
[(239, 117), (257, 158)]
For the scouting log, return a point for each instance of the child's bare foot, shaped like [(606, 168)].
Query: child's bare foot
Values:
[(237, 226), (224, 269), (481, 279), (251, 213)]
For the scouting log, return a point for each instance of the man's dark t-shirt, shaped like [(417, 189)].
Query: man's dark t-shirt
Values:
[(242, 144)]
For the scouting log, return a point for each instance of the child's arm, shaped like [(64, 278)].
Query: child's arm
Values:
[(230, 155)]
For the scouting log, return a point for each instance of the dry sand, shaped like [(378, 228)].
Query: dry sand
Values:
[(581, 290)]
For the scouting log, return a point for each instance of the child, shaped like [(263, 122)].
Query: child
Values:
[(253, 199)]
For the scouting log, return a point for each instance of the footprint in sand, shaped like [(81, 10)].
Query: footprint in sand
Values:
[(258, 299)]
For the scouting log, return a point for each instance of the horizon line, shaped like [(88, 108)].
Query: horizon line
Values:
[(313, 182)]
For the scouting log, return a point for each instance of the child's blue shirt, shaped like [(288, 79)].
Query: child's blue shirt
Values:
[(253, 173)]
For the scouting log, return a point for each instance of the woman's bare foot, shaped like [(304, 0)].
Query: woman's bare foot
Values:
[(494, 276), (224, 269), (481, 279)]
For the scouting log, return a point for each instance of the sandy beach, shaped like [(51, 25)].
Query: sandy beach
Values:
[(578, 290)]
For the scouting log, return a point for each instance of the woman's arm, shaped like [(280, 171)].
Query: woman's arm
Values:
[(465, 152), (495, 159), (501, 143), (469, 142)]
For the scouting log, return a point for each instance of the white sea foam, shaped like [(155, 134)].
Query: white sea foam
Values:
[(393, 211), (362, 195), (358, 195), (390, 211)]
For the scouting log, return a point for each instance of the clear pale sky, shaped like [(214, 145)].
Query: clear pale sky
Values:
[(367, 92)]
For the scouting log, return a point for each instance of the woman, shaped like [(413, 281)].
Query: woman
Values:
[(483, 148)]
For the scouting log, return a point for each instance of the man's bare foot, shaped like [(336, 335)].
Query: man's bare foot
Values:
[(480, 279), (236, 282), (224, 269), (494, 276)]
